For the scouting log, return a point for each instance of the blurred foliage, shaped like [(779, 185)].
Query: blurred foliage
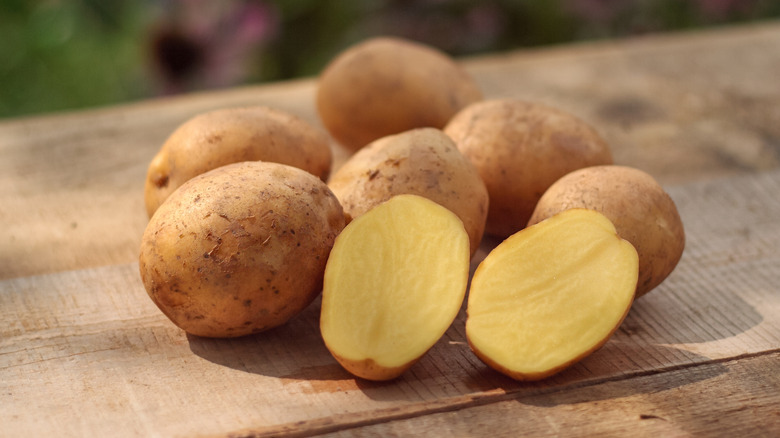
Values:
[(62, 55)]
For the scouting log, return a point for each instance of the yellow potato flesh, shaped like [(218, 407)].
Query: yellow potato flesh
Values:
[(394, 282), (551, 294)]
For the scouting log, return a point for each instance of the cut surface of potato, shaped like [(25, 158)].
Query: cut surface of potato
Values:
[(394, 282), (550, 295)]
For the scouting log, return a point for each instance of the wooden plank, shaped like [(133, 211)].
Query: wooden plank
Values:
[(717, 399), (85, 353), (683, 107)]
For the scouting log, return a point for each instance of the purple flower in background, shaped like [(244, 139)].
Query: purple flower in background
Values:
[(596, 11), (207, 44), (722, 9)]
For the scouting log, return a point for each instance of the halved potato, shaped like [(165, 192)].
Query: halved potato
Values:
[(550, 295), (394, 282)]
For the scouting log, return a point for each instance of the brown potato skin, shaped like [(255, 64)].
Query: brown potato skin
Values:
[(370, 370), (240, 249), (231, 135), (385, 86), (642, 212), (520, 148), (422, 162)]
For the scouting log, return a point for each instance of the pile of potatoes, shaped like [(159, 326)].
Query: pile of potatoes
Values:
[(245, 204)]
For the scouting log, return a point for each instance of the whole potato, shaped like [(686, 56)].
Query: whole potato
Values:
[(240, 249), (642, 212), (519, 149), (231, 135), (422, 162), (385, 86)]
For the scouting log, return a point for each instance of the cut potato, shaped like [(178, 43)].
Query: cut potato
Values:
[(551, 294), (394, 282)]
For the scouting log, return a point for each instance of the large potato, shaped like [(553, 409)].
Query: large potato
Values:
[(422, 162), (231, 135), (642, 212), (240, 249), (520, 148), (385, 86)]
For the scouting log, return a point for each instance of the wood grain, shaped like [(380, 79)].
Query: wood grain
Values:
[(85, 353), (682, 402)]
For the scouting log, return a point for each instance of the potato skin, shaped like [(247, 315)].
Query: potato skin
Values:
[(240, 249), (520, 148), (422, 162), (642, 212), (231, 135), (385, 86)]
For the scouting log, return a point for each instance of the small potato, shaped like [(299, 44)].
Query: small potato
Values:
[(642, 212), (385, 86), (422, 162), (231, 135), (240, 249), (520, 148)]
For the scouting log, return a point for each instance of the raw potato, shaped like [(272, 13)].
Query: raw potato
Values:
[(641, 210), (520, 149), (395, 281), (550, 295), (384, 86), (240, 249), (422, 162), (231, 135)]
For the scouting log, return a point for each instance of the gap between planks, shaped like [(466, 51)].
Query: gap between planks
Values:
[(344, 422)]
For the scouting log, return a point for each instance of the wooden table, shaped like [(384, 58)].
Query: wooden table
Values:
[(84, 352)]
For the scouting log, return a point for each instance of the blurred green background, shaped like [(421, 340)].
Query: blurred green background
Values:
[(65, 55)]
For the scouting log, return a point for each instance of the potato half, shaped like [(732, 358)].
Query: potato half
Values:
[(240, 249), (231, 135), (520, 148), (384, 86), (395, 281), (550, 294), (642, 211), (422, 162)]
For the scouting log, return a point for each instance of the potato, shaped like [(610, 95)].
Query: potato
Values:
[(385, 86), (422, 162), (519, 149), (240, 249), (231, 135), (395, 280), (641, 210), (550, 295)]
